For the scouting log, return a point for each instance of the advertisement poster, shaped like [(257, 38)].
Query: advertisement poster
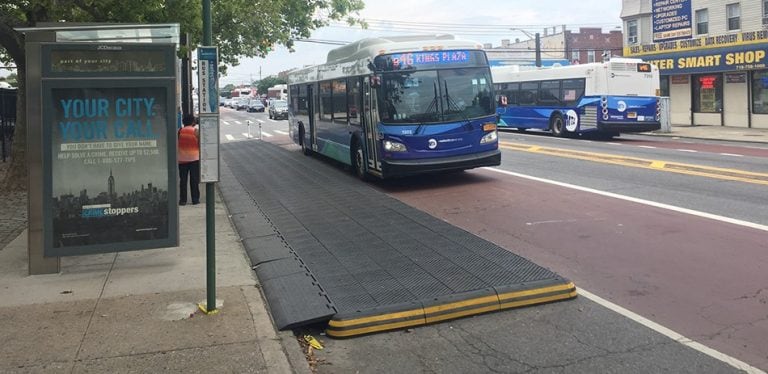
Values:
[(109, 165), (671, 20)]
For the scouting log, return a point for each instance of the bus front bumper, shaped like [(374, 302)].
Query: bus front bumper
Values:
[(401, 168), (628, 126)]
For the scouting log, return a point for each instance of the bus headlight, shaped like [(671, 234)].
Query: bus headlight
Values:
[(391, 146), (489, 137)]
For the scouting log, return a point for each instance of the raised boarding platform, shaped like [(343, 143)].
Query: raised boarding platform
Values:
[(327, 247)]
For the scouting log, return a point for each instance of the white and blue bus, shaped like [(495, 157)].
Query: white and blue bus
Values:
[(607, 98), (397, 106)]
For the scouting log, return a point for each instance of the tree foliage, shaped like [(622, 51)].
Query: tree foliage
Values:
[(268, 82), (241, 28)]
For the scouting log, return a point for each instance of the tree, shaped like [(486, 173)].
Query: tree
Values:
[(241, 28), (268, 82)]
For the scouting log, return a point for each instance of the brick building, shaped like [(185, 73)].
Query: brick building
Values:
[(591, 43)]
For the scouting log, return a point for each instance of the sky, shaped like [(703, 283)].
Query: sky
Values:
[(484, 21)]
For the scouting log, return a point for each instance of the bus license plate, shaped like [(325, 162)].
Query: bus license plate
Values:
[(631, 114)]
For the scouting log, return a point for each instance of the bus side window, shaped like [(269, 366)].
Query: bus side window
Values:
[(339, 101), (326, 103), (527, 94), (573, 90), (353, 103)]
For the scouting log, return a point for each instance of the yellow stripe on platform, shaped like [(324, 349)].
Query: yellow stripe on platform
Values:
[(535, 291), (448, 311), (371, 329), (515, 304), (377, 318)]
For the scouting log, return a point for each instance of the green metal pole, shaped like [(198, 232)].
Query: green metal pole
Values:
[(210, 198)]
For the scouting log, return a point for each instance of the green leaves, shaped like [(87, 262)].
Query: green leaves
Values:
[(241, 28)]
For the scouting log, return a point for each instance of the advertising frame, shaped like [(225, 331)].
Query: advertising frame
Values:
[(164, 82)]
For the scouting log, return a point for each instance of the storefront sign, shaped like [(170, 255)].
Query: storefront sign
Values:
[(679, 79), (746, 38), (109, 154), (712, 60), (671, 19), (735, 78)]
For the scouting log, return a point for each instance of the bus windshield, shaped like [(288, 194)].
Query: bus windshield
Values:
[(435, 95)]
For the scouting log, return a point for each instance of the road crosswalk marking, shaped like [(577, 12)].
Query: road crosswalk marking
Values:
[(238, 122), (245, 134), (281, 132), (268, 135), (229, 137), (226, 123)]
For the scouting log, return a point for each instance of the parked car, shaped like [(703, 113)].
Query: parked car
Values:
[(278, 109), (242, 103), (255, 105)]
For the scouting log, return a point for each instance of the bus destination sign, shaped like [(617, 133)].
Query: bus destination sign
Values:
[(416, 60)]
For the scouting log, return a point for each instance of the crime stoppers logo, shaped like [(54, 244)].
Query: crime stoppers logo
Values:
[(106, 210)]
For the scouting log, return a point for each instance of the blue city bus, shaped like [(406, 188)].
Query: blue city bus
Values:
[(607, 98), (398, 106)]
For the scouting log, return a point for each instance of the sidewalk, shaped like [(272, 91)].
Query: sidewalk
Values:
[(740, 134), (136, 311)]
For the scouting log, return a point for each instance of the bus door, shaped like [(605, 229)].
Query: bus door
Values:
[(369, 119), (312, 115)]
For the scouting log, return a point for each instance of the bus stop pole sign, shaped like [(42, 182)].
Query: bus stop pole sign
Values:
[(208, 89)]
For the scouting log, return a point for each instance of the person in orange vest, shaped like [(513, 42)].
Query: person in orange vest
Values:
[(189, 159)]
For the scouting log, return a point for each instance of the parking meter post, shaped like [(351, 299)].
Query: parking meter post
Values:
[(260, 131), (248, 122)]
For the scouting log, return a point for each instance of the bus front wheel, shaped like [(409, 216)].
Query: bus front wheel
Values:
[(303, 142), (557, 125), (359, 162)]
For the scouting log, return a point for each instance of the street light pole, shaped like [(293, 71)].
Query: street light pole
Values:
[(537, 44)]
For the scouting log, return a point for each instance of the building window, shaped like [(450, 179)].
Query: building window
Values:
[(702, 22), (765, 13), (760, 92), (708, 93), (590, 56), (733, 12), (575, 55), (632, 32)]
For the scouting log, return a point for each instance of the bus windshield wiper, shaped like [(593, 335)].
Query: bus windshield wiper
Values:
[(433, 106), (452, 104)]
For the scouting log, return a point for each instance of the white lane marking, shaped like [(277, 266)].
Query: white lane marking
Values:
[(636, 317), (226, 123), (268, 135), (692, 212), (271, 120), (731, 154), (688, 150), (238, 122), (245, 134), (741, 365), (229, 137), (647, 146), (260, 120), (613, 143), (281, 132)]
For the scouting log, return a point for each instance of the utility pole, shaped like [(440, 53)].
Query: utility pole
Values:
[(538, 51)]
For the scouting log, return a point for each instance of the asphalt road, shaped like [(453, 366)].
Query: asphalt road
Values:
[(646, 272)]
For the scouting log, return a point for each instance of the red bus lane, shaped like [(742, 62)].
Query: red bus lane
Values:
[(705, 279)]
